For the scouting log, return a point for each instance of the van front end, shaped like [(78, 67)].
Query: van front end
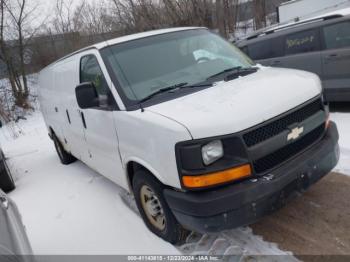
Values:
[(258, 170)]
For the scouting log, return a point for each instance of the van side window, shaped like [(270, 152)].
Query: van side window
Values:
[(337, 35), (302, 42), (260, 50), (266, 49), (90, 71), (245, 50)]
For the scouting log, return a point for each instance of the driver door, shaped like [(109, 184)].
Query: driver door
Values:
[(99, 123)]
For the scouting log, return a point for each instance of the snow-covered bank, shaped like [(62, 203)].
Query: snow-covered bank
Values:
[(73, 210), (343, 122)]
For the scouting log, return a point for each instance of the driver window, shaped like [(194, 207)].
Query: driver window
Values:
[(90, 71)]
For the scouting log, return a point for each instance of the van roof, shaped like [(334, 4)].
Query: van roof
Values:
[(127, 38), (131, 37), (284, 26)]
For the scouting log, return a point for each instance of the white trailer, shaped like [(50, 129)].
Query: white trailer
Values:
[(301, 9)]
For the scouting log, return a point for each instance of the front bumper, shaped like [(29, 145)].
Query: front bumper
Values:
[(244, 203)]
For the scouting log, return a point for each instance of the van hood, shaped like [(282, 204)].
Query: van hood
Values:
[(230, 107)]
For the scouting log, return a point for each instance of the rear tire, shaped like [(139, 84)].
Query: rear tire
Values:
[(6, 181), (65, 157), (149, 190)]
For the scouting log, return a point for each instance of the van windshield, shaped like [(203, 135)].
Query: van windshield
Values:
[(144, 66)]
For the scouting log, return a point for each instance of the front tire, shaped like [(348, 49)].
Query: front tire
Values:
[(65, 157), (154, 210)]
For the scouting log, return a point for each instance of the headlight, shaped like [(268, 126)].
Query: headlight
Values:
[(212, 152)]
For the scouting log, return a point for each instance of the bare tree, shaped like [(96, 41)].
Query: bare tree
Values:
[(63, 17), (141, 15), (19, 19), (18, 27), (92, 18), (260, 14), (7, 57)]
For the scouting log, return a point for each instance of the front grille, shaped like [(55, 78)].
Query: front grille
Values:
[(274, 128), (270, 161)]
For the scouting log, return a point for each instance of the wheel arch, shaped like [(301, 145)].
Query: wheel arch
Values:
[(133, 166)]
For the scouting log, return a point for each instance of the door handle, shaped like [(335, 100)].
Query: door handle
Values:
[(68, 116), (330, 57), (83, 119), (276, 62)]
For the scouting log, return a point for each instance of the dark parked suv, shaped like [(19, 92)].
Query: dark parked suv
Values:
[(320, 45)]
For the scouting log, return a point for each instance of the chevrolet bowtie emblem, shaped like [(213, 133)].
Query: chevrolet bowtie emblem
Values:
[(295, 133)]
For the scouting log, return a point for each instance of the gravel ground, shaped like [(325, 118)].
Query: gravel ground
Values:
[(315, 223)]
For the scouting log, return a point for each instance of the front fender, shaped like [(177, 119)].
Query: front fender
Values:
[(149, 139)]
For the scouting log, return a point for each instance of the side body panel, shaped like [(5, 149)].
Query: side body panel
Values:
[(49, 102), (310, 62), (336, 60), (66, 79), (336, 73), (149, 139)]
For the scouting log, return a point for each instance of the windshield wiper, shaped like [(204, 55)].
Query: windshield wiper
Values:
[(174, 87), (163, 90), (236, 69), (240, 72), (204, 84), (225, 71)]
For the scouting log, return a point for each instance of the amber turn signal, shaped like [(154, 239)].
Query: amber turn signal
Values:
[(217, 177)]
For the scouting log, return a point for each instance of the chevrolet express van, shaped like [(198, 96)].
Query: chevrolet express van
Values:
[(203, 138), (320, 46)]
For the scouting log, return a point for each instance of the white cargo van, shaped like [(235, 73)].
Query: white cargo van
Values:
[(204, 139)]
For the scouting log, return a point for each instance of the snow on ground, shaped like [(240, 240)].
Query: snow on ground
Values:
[(73, 210), (343, 122)]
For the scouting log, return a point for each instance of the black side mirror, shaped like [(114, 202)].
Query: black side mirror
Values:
[(86, 95)]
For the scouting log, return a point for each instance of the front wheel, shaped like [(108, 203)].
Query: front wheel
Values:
[(154, 210)]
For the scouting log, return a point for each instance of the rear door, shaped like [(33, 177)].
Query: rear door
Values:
[(336, 60), (301, 51), (99, 123)]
